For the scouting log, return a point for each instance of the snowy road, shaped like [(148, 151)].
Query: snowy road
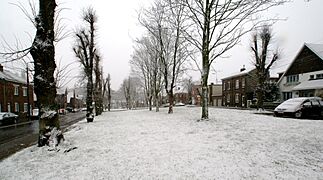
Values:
[(140, 144)]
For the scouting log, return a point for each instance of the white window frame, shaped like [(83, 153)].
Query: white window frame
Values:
[(237, 96), (16, 107), (237, 84), (25, 107), (228, 98), (9, 107), (16, 90), (229, 85), (24, 91)]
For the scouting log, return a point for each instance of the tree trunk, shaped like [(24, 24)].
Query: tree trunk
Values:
[(171, 102), (89, 96), (260, 99), (205, 60), (204, 99), (43, 53), (150, 98)]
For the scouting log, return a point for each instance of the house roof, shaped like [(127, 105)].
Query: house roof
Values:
[(238, 74), (315, 48), (9, 76), (312, 84)]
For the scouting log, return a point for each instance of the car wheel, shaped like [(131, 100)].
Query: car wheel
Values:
[(298, 114)]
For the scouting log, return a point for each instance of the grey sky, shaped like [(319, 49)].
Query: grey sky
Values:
[(118, 25)]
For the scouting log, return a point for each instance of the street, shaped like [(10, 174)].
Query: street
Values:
[(19, 136)]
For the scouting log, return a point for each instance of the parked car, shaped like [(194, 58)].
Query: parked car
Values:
[(7, 118), (301, 107), (179, 104)]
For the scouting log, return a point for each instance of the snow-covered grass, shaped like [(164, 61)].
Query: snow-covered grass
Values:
[(233, 144)]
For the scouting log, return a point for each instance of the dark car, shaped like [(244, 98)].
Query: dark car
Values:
[(7, 118), (301, 107)]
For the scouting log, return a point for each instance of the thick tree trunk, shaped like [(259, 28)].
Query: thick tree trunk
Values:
[(171, 102), (205, 60), (89, 96), (43, 53), (260, 99), (150, 98), (204, 99)]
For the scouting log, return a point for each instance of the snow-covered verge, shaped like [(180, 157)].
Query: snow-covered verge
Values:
[(139, 144)]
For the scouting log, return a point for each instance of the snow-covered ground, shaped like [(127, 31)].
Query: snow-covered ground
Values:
[(139, 144)]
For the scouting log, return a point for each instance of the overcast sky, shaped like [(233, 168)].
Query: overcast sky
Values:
[(118, 26)]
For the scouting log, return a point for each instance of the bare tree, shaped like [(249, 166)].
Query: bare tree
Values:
[(125, 86), (216, 27), (145, 65), (109, 91), (98, 92), (164, 20), (85, 51), (263, 60)]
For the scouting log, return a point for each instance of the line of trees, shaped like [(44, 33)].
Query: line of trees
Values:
[(88, 55), (202, 31)]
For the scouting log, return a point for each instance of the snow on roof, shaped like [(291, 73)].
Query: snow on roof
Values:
[(316, 48), (312, 84), (9, 76), (238, 74)]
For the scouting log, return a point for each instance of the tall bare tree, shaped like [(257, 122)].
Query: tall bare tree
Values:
[(164, 21), (216, 27), (107, 91), (85, 51), (263, 60), (143, 65), (43, 53), (98, 91)]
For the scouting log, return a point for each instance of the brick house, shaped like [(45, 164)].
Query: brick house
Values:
[(304, 76), (15, 95), (214, 94), (238, 89)]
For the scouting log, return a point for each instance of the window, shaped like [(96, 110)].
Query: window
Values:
[(16, 93), (237, 84), (9, 107), (224, 88), (228, 98), (319, 76), (24, 91), (25, 107), (243, 82), (287, 95), (229, 85), (292, 78), (16, 107), (237, 98), (311, 77)]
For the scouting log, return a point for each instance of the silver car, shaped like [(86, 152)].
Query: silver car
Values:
[(301, 107)]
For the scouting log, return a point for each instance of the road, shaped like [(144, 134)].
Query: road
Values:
[(16, 137)]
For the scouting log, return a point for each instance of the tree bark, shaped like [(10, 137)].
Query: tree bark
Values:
[(43, 53)]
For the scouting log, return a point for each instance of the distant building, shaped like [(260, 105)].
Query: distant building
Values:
[(238, 89), (181, 95), (304, 76), (214, 94), (15, 94)]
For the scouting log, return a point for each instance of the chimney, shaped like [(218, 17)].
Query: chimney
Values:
[(1, 68), (243, 68)]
